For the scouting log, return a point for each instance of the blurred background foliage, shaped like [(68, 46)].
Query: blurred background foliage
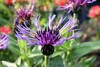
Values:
[(82, 52)]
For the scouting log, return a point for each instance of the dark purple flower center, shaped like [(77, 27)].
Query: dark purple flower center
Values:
[(48, 36)]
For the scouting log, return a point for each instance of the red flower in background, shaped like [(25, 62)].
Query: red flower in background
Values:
[(60, 2), (9, 2), (5, 29), (94, 11)]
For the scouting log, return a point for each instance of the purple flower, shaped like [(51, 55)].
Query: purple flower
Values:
[(74, 3), (3, 41), (50, 36), (24, 14), (82, 2)]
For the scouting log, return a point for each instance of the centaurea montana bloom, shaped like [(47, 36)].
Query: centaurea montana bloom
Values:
[(24, 15), (3, 41), (50, 36), (75, 3)]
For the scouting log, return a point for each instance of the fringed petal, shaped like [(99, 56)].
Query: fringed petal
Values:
[(60, 21), (51, 19), (67, 24), (68, 7), (91, 1), (74, 36), (36, 22), (61, 41), (3, 41)]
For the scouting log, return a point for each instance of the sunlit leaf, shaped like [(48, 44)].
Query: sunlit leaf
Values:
[(83, 49), (8, 64)]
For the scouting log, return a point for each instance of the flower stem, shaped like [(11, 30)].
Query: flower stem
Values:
[(28, 63), (46, 61), (74, 16)]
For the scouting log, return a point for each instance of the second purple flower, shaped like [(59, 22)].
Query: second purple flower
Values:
[(74, 4)]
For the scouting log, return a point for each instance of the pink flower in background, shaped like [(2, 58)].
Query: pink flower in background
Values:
[(5, 29), (94, 11)]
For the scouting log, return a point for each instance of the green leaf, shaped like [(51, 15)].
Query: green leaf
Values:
[(7, 11), (14, 49), (85, 62), (56, 62), (83, 49), (35, 52), (8, 64), (57, 53), (22, 44), (18, 61)]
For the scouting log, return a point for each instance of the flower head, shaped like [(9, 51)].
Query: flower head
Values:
[(49, 37), (94, 11), (3, 41), (8, 2), (74, 3), (5, 29), (24, 14)]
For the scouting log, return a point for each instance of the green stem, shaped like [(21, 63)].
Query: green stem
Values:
[(28, 63), (46, 61), (74, 16)]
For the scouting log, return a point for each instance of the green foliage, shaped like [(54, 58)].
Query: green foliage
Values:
[(20, 54), (83, 49)]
